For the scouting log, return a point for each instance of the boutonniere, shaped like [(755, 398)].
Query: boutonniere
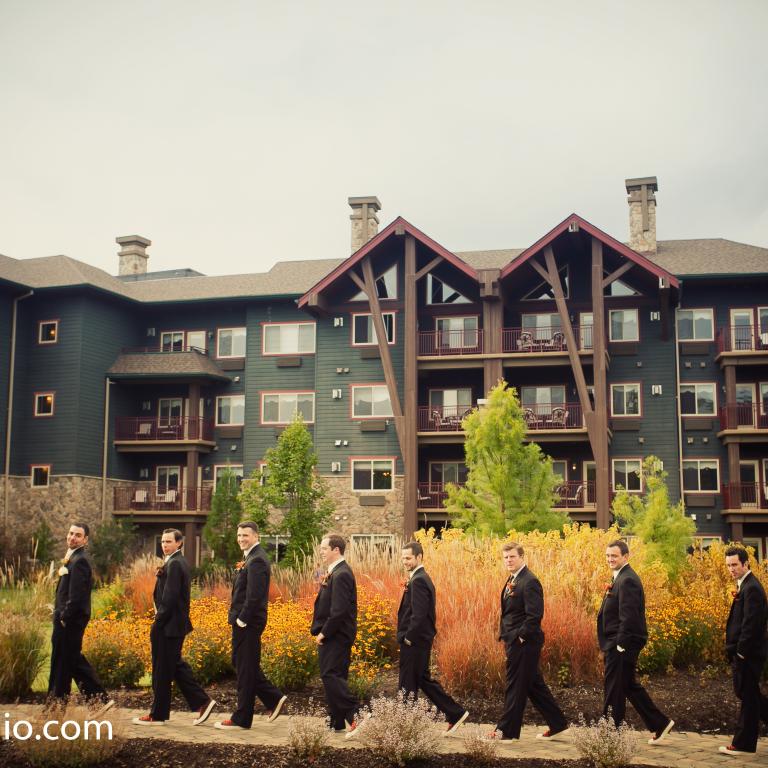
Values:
[(406, 584), (160, 570), (608, 588), (239, 565), (63, 571), (509, 589), (326, 579), (735, 595)]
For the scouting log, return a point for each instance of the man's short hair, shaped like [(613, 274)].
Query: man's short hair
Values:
[(415, 547), (249, 524), (740, 552), (84, 526), (336, 542), (177, 534), (508, 546), (621, 544)]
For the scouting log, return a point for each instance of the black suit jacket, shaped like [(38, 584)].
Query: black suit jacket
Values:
[(171, 597), (416, 616), (73, 591), (745, 631), (250, 592), (335, 611), (621, 620), (523, 610)]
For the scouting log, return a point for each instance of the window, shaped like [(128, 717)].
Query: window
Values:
[(289, 339), (763, 397), (172, 341), (543, 326), (586, 324), (386, 286), (44, 403), (439, 292), (231, 342), (230, 410), (169, 411), (697, 399), (627, 473), (619, 288), (442, 472), (363, 331), (281, 407), (48, 332), (372, 474), (456, 332), (371, 401), (196, 340), (219, 469), (560, 468), (624, 325), (700, 475), (451, 403), (542, 399), (380, 542), (545, 291), (40, 475), (625, 399), (695, 325), (168, 480)]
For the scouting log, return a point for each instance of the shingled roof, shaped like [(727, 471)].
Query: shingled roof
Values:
[(185, 365)]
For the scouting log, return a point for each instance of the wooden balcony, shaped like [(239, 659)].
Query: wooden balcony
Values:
[(450, 343), (549, 422), (576, 494), (432, 495), (145, 499), (743, 423), (745, 498), (742, 345), (141, 434)]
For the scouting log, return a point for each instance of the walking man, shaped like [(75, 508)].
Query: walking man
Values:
[(746, 646), (622, 633), (334, 627), (248, 617), (522, 609), (171, 598), (71, 614), (416, 630)]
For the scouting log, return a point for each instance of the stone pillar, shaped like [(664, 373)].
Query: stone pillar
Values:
[(642, 214), (365, 222), (133, 254)]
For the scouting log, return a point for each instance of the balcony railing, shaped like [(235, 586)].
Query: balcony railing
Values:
[(741, 338), (743, 416), (178, 428), (436, 343), (543, 339), (441, 418), (161, 351), (432, 495), (744, 496), (147, 498), (553, 416), (575, 494)]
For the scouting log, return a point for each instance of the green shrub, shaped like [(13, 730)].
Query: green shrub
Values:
[(116, 665), (658, 652), (22, 653), (110, 601)]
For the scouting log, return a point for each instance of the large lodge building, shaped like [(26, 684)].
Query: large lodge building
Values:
[(130, 394)]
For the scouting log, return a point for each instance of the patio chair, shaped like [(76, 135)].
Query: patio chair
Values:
[(559, 418), (531, 418), (140, 497), (526, 342), (145, 429)]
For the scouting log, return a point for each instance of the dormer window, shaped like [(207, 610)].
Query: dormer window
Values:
[(544, 291), (439, 292), (386, 286)]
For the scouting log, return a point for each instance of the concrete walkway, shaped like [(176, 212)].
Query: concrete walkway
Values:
[(680, 749)]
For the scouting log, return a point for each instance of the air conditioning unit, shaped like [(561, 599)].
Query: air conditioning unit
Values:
[(336, 394), (338, 322), (335, 466), (655, 389), (150, 331)]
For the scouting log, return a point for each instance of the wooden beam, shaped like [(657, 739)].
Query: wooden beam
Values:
[(410, 392), (432, 264), (357, 281), (617, 273), (543, 272)]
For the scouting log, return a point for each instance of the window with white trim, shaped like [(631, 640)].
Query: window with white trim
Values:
[(289, 339), (386, 286), (363, 331), (439, 292), (763, 397), (456, 332), (44, 403), (625, 399), (39, 475), (627, 473), (542, 399), (281, 407), (168, 481), (698, 399), (442, 472), (196, 340), (230, 342), (172, 341), (48, 332), (230, 410), (695, 325), (701, 475), (623, 324), (371, 400), (220, 469), (542, 325), (372, 474)]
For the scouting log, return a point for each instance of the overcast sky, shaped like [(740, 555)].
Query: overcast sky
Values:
[(231, 133)]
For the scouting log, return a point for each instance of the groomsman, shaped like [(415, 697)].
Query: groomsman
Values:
[(248, 617), (622, 633), (171, 598), (334, 627), (416, 632), (522, 609), (746, 645), (71, 614)]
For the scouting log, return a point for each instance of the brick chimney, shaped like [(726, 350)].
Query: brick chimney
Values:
[(133, 254), (365, 222), (642, 213)]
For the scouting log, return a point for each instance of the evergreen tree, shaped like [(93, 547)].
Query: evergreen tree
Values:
[(220, 531)]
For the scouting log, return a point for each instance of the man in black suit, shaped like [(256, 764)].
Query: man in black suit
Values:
[(746, 646), (248, 617), (334, 627), (71, 614), (416, 630), (522, 609), (171, 598), (622, 633)]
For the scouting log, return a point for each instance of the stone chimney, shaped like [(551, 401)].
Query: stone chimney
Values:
[(642, 213), (365, 222), (133, 254)]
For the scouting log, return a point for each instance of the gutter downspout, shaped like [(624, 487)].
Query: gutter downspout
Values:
[(9, 417), (105, 449), (677, 397)]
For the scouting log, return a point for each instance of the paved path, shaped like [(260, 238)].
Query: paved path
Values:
[(679, 750)]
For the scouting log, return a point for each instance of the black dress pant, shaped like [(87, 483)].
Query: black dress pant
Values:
[(251, 681), (334, 657), (414, 676), (620, 685), (524, 681), (68, 663), (754, 705), (167, 666)]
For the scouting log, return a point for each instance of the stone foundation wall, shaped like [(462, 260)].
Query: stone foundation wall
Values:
[(351, 517)]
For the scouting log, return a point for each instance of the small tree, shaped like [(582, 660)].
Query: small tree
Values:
[(292, 485), (662, 526), (111, 544), (220, 531), (510, 483), (43, 543)]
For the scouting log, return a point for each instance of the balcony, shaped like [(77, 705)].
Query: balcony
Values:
[(537, 341), (554, 421), (576, 494), (441, 418), (145, 433), (431, 495), (743, 423), (144, 499), (450, 343), (745, 497), (744, 343)]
